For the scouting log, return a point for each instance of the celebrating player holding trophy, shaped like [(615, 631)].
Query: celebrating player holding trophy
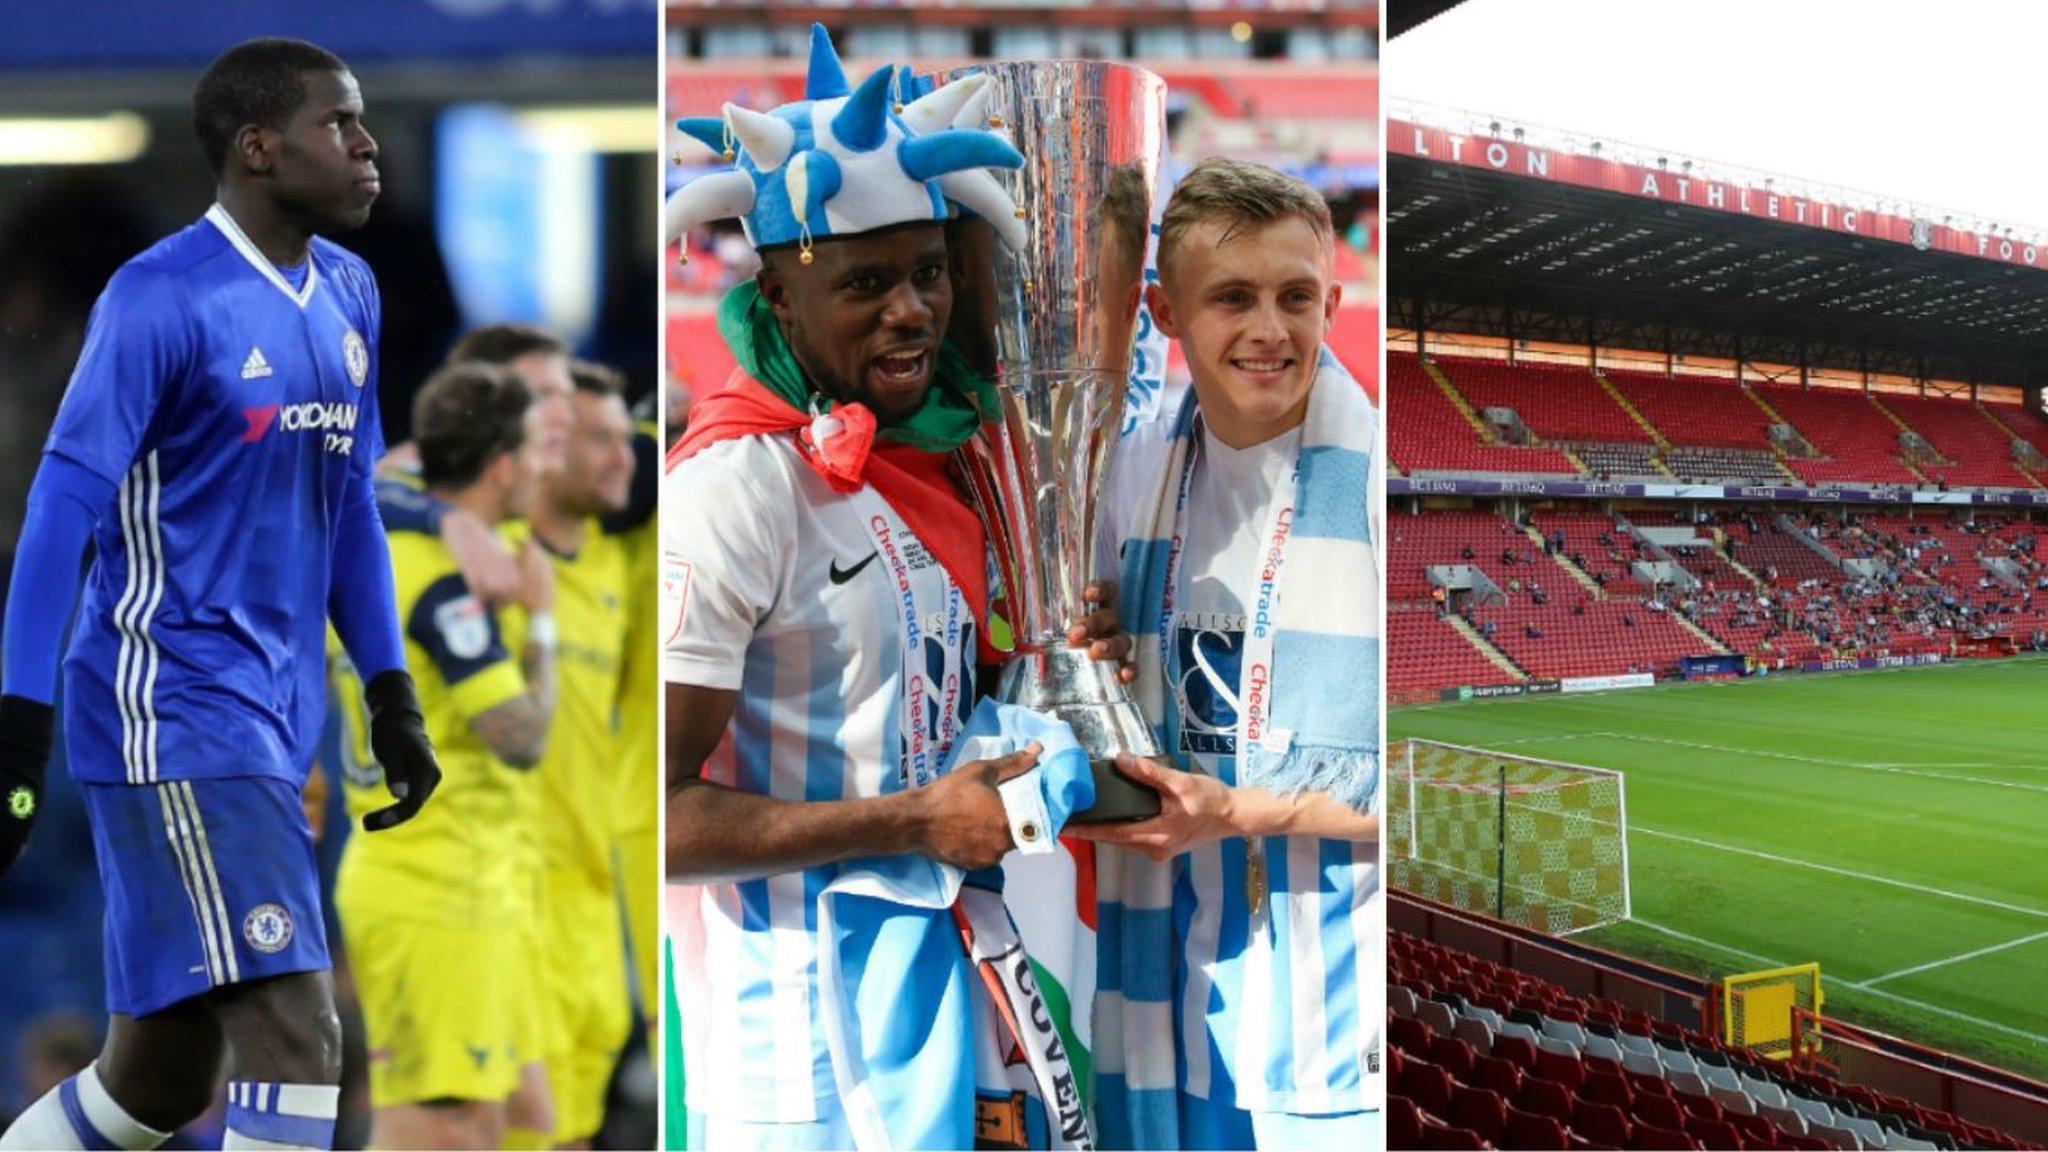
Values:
[(1248, 567), (826, 604)]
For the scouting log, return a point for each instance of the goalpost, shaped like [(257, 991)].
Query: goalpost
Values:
[(1774, 1013), (1536, 842)]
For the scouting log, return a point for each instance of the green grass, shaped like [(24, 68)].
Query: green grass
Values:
[(1876, 822)]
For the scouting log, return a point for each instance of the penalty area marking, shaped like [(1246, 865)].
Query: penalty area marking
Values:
[(1956, 959), (1849, 872)]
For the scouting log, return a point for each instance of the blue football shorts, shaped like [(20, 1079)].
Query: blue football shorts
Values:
[(207, 883)]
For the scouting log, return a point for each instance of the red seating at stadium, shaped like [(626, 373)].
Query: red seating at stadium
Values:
[(1594, 543), (2023, 422), (1721, 465), (1699, 411), (1980, 449), (1765, 549), (1476, 538), (1931, 593), (1425, 653), (1481, 1055), (1709, 567), (1432, 435), (1569, 637), (1557, 402), (1856, 440)]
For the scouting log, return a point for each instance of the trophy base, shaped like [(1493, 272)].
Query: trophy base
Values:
[(1106, 721)]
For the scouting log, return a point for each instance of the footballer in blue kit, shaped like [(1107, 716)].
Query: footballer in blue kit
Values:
[(216, 446)]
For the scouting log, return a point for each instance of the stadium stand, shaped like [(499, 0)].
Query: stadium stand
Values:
[(1776, 477), (1422, 647), (1588, 638), (1776, 555), (1943, 583), (1518, 1061), (1490, 543), (1856, 438), (1599, 545), (1979, 451), (1433, 435), (1695, 411), (1558, 402), (2022, 422), (1723, 465), (1620, 461)]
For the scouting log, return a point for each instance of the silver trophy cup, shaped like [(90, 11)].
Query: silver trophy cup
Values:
[(1061, 315)]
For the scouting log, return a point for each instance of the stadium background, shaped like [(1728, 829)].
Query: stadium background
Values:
[(1653, 415), (517, 147), (1290, 84)]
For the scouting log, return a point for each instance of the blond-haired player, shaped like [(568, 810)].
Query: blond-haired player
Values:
[(1250, 576)]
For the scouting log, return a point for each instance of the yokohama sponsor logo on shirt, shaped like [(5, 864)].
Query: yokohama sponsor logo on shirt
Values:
[(314, 416), (336, 419)]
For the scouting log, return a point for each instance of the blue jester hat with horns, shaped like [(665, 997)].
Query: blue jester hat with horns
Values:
[(844, 161)]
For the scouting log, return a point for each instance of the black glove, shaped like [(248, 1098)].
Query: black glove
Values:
[(24, 752), (398, 738)]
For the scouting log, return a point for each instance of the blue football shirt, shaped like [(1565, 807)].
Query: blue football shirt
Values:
[(234, 411)]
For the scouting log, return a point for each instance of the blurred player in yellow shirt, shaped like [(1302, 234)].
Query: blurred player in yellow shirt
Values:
[(639, 796), (581, 984), (434, 913)]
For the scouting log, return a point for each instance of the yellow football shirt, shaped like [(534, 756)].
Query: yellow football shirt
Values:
[(639, 798), (579, 773), (461, 859)]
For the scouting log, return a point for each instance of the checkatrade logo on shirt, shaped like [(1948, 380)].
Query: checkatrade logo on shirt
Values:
[(332, 419)]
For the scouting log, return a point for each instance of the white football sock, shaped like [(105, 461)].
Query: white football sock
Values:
[(263, 1115), (78, 1114)]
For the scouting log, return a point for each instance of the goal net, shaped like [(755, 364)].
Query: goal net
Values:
[(1536, 842)]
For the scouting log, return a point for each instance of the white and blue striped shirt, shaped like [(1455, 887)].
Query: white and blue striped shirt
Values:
[(1273, 1009), (1270, 1003), (793, 595)]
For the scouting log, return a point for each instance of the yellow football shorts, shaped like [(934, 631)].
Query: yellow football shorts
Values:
[(438, 1007), (584, 996)]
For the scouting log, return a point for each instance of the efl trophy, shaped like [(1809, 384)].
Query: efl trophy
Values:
[(1061, 312)]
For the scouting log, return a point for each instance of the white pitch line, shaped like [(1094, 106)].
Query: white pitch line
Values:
[(1774, 858), (1957, 959), (1849, 872), (1545, 739), (1825, 762), (1771, 962)]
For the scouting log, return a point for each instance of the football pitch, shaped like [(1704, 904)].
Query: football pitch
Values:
[(1892, 825)]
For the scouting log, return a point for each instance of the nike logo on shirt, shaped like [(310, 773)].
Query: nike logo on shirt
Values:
[(842, 575)]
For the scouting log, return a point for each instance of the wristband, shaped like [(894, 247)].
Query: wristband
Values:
[(540, 631)]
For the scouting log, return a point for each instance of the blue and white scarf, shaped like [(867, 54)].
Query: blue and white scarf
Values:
[(1322, 735), (932, 1045)]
